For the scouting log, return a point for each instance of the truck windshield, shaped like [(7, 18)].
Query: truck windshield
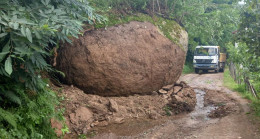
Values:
[(205, 51)]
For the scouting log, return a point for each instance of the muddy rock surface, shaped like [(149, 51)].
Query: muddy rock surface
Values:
[(133, 58), (88, 112)]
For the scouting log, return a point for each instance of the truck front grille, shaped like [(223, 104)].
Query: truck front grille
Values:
[(204, 61)]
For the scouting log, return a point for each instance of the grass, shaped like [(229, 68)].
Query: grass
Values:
[(231, 84), (167, 110), (188, 68)]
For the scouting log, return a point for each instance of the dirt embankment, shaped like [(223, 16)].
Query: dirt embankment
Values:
[(87, 112)]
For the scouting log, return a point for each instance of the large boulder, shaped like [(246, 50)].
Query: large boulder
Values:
[(123, 60)]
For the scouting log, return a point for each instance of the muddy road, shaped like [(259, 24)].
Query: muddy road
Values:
[(219, 114)]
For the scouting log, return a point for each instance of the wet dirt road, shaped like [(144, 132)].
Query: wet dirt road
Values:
[(219, 114)]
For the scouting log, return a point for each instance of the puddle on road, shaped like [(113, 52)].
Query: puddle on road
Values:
[(201, 112)]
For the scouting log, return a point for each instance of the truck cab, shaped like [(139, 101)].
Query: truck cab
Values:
[(206, 58)]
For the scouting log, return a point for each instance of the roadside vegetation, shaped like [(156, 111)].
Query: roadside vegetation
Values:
[(245, 55), (241, 88), (188, 68), (30, 32)]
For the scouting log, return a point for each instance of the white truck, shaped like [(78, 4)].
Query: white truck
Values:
[(209, 58)]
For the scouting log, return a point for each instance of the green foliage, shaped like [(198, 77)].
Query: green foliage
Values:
[(230, 83), (28, 32), (246, 54), (30, 119), (8, 117), (188, 68), (248, 31), (167, 110)]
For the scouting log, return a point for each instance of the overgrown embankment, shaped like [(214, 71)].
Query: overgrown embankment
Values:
[(241, 88)]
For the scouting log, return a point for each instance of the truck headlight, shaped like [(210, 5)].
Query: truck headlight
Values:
[(194, 61)]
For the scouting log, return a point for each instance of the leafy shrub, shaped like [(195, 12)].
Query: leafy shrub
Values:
[(28, 32)]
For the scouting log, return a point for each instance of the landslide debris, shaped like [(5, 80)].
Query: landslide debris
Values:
[(87, 111)]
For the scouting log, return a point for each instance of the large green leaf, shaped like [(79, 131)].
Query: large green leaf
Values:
[(23, 31), (2, 55), (5, 51), (8, 65), (28, 34), (2, 35)]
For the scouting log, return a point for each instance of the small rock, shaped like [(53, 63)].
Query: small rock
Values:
[(169, 93), (81, 116), (118, 120), (154, 93), (102, 124), (165, 96), (177, 98), (168, 87), (161, 91), (184, 84), (180, 94), (153, 115), (177, 89), (178, 82), (85, 130), (113, 105), (94, 124), (72, 118)]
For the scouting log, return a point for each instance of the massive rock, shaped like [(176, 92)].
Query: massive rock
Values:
[(123, 60)]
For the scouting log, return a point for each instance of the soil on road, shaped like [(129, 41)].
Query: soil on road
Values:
[(219, 114)]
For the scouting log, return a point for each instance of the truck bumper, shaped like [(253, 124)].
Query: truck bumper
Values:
[(206, 66)]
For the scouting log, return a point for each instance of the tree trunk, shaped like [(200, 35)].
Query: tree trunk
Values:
[(158, 6), (153, 6)]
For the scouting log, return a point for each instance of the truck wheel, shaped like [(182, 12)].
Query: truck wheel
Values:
[(197, 70), (217, 70)]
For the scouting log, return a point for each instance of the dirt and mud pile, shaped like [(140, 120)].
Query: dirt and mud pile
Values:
[(133, 58), (86, 111)]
